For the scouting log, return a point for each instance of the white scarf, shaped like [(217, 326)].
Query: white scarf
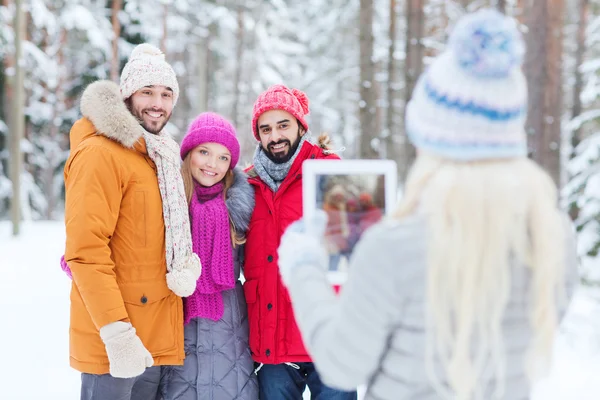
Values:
[(183, 265)]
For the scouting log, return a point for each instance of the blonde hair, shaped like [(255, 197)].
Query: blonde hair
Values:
[(483, 216), (237, 238)]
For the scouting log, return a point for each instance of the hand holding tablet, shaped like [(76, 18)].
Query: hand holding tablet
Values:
[(355, 194)]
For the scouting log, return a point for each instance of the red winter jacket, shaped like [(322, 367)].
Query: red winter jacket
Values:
[(274, 335)]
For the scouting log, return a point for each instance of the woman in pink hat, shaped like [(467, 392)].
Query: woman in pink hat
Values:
[(218, 364)]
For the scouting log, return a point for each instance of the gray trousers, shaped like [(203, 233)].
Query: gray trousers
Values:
[(148, 386)]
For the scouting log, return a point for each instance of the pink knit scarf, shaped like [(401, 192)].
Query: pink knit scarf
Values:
[(211, 241)]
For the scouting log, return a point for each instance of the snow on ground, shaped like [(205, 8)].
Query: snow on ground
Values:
[(34, 310), (34, 315), (574, 374)]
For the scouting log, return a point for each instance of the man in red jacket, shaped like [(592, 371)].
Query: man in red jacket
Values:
[(284, 367)]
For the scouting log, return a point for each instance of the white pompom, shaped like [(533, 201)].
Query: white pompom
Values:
[(146, 50), (183, 278), (182, 282), (488, 44), (194, 265)]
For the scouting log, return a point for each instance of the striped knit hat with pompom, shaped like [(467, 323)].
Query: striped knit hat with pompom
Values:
[(147, 67), (471, 103), (279, 97)]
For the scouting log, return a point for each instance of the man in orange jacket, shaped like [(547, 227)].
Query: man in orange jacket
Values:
[(128, 238)]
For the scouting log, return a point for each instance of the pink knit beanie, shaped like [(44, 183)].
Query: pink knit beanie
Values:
[(279, 97), (210, 127)]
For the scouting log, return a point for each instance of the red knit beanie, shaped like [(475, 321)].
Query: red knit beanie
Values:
[(279, 97)]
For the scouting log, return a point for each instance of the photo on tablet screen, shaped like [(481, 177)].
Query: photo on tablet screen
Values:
[(355, 195)]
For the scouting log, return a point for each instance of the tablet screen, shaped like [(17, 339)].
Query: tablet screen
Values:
[(353, 203), (355, 195)]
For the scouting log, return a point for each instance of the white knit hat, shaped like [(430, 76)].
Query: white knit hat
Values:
[(471, 103), (147, 67)]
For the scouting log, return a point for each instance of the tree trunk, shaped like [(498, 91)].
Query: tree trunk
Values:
[(9, 63), (203, 57), (392, 87), (380, 94), (367, 82), (521, 11), (59, 107), (117, 5), (17, 127), (415, 27), (578, 88), (165, 26), (543, 69), (501, 6), (5, 113), (579, 55), (239, 63)]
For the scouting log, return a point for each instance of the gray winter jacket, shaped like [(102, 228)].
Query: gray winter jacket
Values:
[(374, 333), (217, 363)]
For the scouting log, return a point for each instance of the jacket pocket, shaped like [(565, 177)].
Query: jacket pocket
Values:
[(251, 294), (139, 221), (156, 314)]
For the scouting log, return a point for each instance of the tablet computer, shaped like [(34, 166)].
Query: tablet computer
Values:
[(355, 194)]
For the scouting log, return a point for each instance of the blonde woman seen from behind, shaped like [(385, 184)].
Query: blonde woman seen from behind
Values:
[(458, 295)]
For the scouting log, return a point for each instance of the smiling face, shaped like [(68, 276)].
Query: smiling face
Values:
[(209, 162), (279, 134), (152, 106)]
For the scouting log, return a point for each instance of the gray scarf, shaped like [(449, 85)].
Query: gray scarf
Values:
[(272, 173)]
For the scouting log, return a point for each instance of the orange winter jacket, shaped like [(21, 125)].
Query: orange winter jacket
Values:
[(116, 236)]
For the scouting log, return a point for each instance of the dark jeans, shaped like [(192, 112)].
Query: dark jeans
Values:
[(284, 382), (148, 386)]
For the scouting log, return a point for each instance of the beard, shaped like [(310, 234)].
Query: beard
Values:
[(153, 127), (282, 158)]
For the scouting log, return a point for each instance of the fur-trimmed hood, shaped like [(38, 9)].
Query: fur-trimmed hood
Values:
[(240, 200), (105, 113)]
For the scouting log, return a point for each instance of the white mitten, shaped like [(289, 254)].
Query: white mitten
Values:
[(183, 278), (127, 355), (300, 248)]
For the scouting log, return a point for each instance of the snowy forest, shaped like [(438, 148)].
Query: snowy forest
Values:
[(357, 60)]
